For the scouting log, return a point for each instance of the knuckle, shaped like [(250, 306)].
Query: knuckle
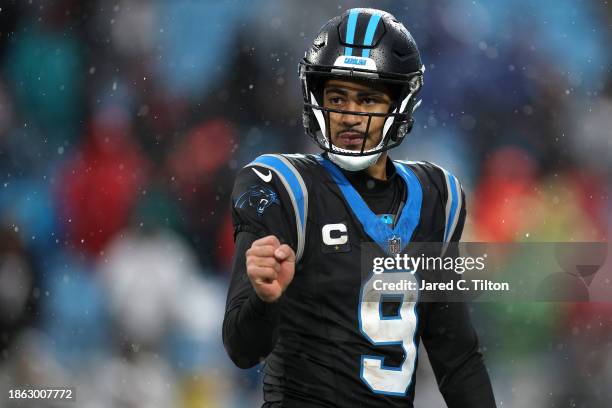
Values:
[(250, 262), (253, 271)]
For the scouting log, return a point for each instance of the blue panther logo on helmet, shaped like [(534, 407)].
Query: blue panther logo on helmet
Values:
[(258, 197)]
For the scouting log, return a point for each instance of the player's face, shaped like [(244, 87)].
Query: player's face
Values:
[(348, 131)]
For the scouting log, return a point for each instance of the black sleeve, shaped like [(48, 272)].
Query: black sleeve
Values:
[(452, 347), (249, 325), (259, 208)]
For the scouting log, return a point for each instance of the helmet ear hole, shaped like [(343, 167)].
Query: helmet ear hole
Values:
[(405, 128), (306, 118), (399, 131)]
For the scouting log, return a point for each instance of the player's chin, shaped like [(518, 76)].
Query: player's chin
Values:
[(354, 145)]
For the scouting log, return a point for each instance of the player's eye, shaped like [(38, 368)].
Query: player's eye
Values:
[(370, 100), (335, 100)]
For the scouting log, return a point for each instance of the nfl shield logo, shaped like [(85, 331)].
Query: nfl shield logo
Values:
[(395, 245)]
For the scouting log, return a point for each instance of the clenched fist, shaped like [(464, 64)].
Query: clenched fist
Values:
[(270, 267)]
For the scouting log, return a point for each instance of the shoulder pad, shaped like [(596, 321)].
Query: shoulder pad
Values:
[(293, 182), (450, 191)]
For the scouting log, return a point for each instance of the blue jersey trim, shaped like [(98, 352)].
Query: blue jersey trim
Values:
[(376, 229), (454, 200)]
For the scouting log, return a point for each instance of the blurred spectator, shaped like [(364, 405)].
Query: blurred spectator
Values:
[(200, 173), (123, 124), (99, 187), (44, 68), (19, 290)]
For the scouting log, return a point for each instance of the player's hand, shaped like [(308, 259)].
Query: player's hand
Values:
[(270, 267)]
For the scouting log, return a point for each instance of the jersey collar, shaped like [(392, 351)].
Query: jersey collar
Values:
[(366, 184), (374, 227)]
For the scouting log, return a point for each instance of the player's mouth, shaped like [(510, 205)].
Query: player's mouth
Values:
[(350, 140)]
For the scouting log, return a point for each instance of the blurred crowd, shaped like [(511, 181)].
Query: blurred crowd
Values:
[(123, 123)]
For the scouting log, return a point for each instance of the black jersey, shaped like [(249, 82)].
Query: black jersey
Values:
[(321, 346)]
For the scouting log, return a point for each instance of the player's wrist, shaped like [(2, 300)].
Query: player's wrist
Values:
[(266, 309)]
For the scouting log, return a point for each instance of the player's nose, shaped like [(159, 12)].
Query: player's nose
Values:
[(349, 119)]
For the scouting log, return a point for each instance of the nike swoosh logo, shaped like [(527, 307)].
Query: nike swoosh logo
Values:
[(267, 178)]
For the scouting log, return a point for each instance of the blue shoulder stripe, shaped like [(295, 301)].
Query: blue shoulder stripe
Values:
[(296, 189), (450, 181), (453, 205)]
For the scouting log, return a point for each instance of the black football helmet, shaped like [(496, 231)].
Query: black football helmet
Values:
[(367, 45)]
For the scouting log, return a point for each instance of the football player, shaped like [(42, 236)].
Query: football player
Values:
[(303, 222)]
